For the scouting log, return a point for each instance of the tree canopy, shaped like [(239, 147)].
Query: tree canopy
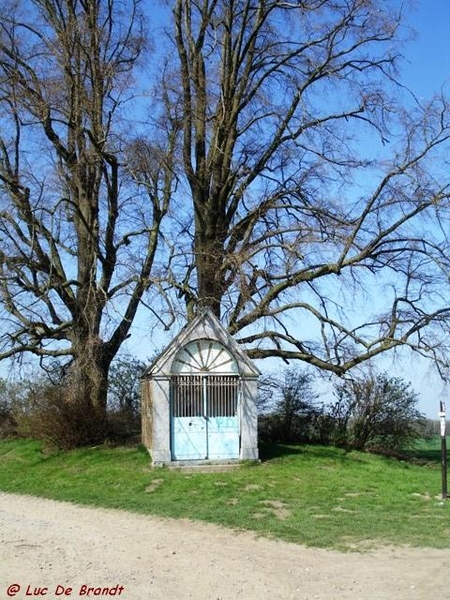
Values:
[(313, 204)]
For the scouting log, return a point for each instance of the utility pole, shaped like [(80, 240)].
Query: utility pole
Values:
[(443, 450)]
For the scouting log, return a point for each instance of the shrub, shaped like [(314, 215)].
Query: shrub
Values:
[(42, 407), (49, 413), (375, 412)]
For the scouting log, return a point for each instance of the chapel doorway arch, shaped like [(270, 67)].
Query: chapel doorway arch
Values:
[(205, 392)]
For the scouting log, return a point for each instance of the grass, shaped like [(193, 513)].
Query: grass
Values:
[(318, 496), (427, 450)]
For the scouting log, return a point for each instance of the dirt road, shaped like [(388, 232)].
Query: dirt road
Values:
[(57, 550)]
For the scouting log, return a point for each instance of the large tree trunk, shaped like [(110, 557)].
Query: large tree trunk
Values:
[(87, 389), (209, 264)]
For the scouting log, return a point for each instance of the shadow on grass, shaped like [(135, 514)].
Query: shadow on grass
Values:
[(425, 456), (268, 452), (271, 451)]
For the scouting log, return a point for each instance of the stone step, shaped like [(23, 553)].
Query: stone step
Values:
[(203, 467)]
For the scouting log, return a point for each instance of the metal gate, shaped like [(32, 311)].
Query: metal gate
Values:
[(204, 417)]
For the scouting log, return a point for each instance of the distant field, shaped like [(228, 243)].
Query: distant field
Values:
[(428, 449), (313, 495)]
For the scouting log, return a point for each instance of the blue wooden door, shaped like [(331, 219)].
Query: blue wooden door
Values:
[(189, 438), (222, 393), (188, 423), (205, 421), (223, 437)]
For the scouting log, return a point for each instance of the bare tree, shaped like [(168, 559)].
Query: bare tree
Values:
[(79, 221), (310, 198), (295, 405)]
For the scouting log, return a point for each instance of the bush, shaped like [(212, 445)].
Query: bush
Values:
[(375, 412), (50, 414), (42, 407)]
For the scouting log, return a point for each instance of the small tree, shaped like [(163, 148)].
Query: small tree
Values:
[(293, 406), (376, 411), (124, 393), (7, 421)]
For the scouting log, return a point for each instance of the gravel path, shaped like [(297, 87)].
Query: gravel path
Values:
[(59, 550)]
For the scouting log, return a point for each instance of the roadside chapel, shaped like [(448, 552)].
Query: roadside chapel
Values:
[(199, 398)]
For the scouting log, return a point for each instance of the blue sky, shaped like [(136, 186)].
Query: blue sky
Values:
[(426, 70), (427, 64)]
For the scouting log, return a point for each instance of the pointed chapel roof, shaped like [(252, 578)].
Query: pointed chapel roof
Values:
[(204, 326)]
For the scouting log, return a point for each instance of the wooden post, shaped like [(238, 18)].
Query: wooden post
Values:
[(443, 450)]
